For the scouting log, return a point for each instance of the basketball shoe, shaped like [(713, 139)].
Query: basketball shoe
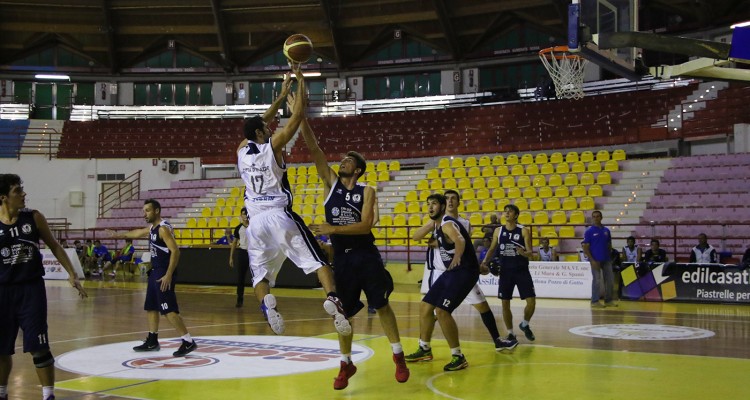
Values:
[(457, 362), (347, 371), (275, 321), (419, 355), (334, 308), (402, 372), (150, 344), (185, 348)]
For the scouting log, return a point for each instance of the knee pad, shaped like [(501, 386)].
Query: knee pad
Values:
[(43, 359)]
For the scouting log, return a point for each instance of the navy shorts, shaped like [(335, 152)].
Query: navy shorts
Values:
[(361, 270), (156, 300), (24, 305), (451, 288), (512, 277)]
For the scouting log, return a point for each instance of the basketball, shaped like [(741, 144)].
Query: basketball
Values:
[(298, 48)]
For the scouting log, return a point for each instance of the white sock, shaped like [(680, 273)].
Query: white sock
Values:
[(510, 331), (3, 391), (424, 345), (524, 323), (186, 337), (47, 391), (347, 358), (396, 347), (456, 351)]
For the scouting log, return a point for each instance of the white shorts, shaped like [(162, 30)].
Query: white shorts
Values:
[(275, 235), (475, 296)]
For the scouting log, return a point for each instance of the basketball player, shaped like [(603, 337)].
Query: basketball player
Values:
[(451, 288), (631, 253), (275, 232), (475, 297), (509, 246), (23, 297), (546, 253), (160, 294), (350, 208)]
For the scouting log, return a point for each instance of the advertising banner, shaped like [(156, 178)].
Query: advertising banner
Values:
[(54, 270)]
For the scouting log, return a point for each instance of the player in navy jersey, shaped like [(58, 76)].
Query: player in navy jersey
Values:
[(23, 298), (450, 289), (350, 210), (275, 232), (160, 294), (511, 245)]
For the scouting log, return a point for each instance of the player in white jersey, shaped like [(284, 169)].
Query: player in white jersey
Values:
[(631, 253), (274, 231), (546, 253), (434, 267)]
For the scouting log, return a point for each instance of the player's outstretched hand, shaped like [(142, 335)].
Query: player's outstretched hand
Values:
[(77, 284), (286, 86)]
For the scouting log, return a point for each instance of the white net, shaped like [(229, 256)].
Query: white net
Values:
[(566, 71)]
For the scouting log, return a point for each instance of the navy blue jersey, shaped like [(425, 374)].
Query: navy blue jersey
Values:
[(159, 252), (507, 243), (448, 250), (19, 250), (344, 207)]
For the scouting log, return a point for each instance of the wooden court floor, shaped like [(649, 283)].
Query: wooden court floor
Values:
[(638, 350)]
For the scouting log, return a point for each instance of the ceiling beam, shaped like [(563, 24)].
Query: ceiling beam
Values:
[(447, 26), (221, 34), (109, 34), (338, 49)]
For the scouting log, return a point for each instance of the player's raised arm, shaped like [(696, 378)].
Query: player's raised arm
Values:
[(327, 175), (279, 140), (286, 86)]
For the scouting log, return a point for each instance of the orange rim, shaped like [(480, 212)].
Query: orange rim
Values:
[(558, 52)]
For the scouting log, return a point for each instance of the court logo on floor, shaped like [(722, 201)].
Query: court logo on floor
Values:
[(217, 357), (641, 332)]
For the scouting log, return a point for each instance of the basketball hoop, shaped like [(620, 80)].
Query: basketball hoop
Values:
[(566, 70)]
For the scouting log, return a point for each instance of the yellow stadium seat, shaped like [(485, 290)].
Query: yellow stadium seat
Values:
[(206, 212), (468, 194), (446, 173), (594, 166), (493, 182), (577, 218), (502, 170), (571, 157), (459, 173), (595, 191), (516, 170), (426, 219), (335, 168), (498, 193), (433, 173), (384, 176), (611, 166), (567, 232), (370, 167), (552, 204), (482, 193), (302, 170), (586, 156), (578, 191), (559, 217), (587, 179), (423, 184), (618, 155), (450, 183), (292, 179), (398, 236), (202, 223), (602, 155), (488, 171), (562, 168), (587, 203), (308, 199), (291, 170), (562, 191), (555, 180), (382, 166), (221, 201), (297, 208), (231, 202), (412, 195), (521, 203), (544, 192), (319, 219), (498, 160), (547, 169), (474, 172), (527, 159), (424, 194), (529, 192), (603, 178), (415, 220), (470, 161), (307, 219), (399, 208), (532, 169), (484, 161), (320, 209), (313, 170), (512, 192), (308, 209), (488, 205), (556, 158), (464, 183), (399, 220), (316, 178), (301, 179), (394, 165), (475, 220), (541, 158), (385, 220), (523, 181), (539, 181), (509, 181), (569, 204), (444, 163), (227, 211), (578, 167), (570, 180), (479, 183), (217, 211), (457, 162), (541, 218), (525, 218), (536, 204), (436, 184), (511, 159), (472, 206), (500, 204), (191, 223)]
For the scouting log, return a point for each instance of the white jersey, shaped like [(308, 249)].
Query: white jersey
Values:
[(266, 184), (630, 255), (545, 255)]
